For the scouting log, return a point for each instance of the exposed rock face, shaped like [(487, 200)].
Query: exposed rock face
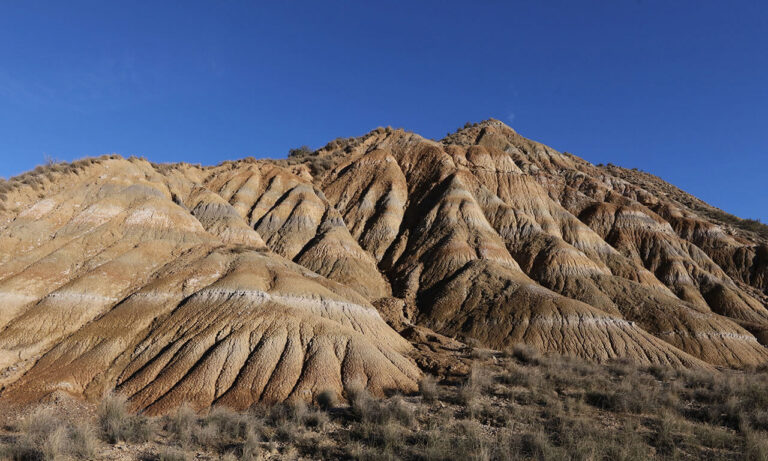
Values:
[(117, 276), (257, 280)]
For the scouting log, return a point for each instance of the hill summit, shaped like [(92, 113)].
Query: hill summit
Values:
[(267, 280)]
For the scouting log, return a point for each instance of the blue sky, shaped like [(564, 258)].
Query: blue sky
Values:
[(676, 88)]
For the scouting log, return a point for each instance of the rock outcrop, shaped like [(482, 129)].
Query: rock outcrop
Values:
[(262, 280)]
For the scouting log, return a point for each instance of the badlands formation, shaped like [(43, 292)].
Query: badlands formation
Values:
[(266, 280)]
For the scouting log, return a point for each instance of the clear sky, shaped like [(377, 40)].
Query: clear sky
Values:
[(676, 88)]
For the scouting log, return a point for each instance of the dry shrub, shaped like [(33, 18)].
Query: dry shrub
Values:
[(208, 436), (293, 411), (756, 446), (660, 372), (477, 351), (316, 419), (384, 425), (221, 430), (118, 424), (615, 401), (319, 165), (250, 450), (172, 454), (360, 400), (387, 436), (470, 442), (468, 394), (526, 354), (428, 388), (82, 440), (515, 375), (182, 425), (624, 444), (369, 410), (730, 399), (665, 439), (482, 354), (714, 436), (290, 418), (697, 379), (538, 446), (628, 396), (302, 151), (229, 425), (44, 436), (567, 371), (479, 381), (561, 412), (621, 367), (327, 399), (399, 410)]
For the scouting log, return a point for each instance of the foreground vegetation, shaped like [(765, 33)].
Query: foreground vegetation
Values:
[(516, 405)]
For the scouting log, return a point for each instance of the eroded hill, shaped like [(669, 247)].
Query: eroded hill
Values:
[(266, 280)]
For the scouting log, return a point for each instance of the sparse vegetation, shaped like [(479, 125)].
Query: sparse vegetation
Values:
[(513, 405), (750, 225), (658, 186), (118, 424), (428, 388), (317, 164), (525, 354), (45, 436), (302, 151), (327, 399), (48, 173)]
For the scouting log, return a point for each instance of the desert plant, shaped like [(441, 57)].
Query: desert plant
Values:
[(516, 375), (397, 409), (302, 151), (182, 425), (428, 388), (480, 377), (327, 399), (360, 401), (526, 354), (250, 450), (118, 424), (45, 436), (664, 438), (756, 446), (551, 408), (537, 445), (227, 425), (172, 454), (478, 380)]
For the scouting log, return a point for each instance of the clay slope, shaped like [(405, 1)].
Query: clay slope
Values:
[(503, 239), (117, 276), (256, 280)]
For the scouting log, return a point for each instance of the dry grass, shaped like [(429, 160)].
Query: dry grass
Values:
[(516, 405), (428, 388), (45, 436), (172, 454), (117, 424), (327, 399), (525, 354), (48, 172)]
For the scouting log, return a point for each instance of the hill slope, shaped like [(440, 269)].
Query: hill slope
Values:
[(259, 280)]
